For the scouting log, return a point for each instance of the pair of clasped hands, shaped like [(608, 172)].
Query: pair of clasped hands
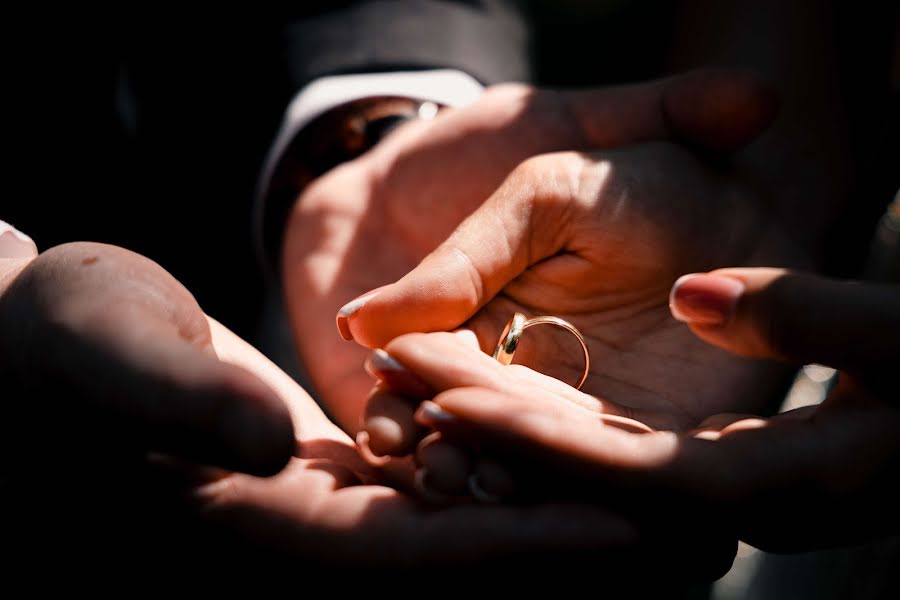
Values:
[(586, 205)]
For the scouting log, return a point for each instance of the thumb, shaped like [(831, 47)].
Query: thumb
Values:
[(802, 318), (712, 109), (517, 226), (104, 352)]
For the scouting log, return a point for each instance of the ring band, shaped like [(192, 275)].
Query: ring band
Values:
[(509, 339)]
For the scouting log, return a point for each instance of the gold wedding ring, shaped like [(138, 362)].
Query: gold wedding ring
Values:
[(509, 339)]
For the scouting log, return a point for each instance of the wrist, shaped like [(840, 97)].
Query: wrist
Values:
[(338, 135)]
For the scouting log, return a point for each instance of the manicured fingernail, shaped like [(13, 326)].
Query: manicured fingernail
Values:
[(350, 309), (490, 482), (705, 299), (430, 414), (259, 441), (362, 443), (386, 435), (14, 243), (384, 367)]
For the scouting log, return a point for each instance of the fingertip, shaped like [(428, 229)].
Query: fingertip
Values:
[(390, 425), (365, 450), (468, 338), (386, 435), (258, 445), (448, 466), (256, 426), (705, 299), (347, 313), (15, 244), (383, 367)]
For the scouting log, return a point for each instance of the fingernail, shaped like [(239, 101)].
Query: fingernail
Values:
[(350, 309), (362, 442), (14, 243), (261, 442), (430, 414), (705, 299), (384, 367), (380, 362), (386, 435)]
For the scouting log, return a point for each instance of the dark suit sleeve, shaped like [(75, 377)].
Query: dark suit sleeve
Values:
[(488, 39)]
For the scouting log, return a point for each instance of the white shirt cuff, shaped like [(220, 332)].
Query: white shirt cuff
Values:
[(444, 86)]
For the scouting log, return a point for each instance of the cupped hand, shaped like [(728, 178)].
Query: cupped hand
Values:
[(326, 506), (370, 221), (807, 478), (596, 239)]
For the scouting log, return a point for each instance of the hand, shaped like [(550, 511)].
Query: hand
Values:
[(115, 387), (807, 478), (326, 506), (369, 221), (103, 349), (597, 240)]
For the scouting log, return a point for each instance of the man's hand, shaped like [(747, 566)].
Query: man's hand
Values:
[(370, 221)]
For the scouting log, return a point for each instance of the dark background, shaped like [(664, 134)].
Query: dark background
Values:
[(148, 129)]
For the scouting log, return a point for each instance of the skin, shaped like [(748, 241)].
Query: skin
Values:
[(837, 460), (597, 240), (368, 222), (118, 392)]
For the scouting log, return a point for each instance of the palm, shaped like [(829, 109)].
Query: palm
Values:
[(650, 213), (326, 505)]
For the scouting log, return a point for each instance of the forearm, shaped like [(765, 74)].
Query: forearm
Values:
[(803, 160)]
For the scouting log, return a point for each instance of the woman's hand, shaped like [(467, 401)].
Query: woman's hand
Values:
[(802, 479)]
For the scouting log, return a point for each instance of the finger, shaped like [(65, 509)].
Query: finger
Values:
[(389, 427), (444, 467), (170, 397), (717, 109), (443, 362), (790, 316), (490, 248)]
